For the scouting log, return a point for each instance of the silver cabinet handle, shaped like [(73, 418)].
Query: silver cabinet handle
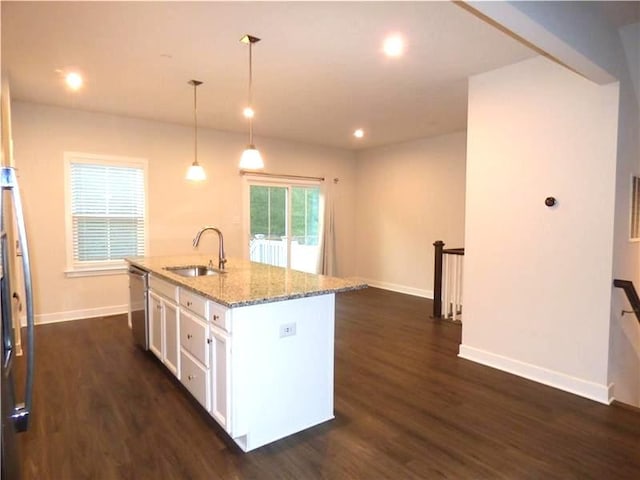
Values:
[(191, 377), (216, 317), (209, 340), (188, 304), (189, 336)]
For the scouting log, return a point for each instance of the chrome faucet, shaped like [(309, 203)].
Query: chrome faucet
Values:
[(221, 258)]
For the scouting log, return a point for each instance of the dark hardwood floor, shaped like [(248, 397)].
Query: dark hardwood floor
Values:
[(406, 408)]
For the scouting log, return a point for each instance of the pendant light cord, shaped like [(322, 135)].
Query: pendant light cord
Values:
[(250, 93), (195, 121)]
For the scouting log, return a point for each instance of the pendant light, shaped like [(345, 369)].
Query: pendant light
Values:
[(251, 158), (195, 172)]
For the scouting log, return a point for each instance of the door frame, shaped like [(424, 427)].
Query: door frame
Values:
[(279, 182)]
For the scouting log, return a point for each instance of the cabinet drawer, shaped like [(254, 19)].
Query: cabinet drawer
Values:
[(163, 287), (194, 337), (193, 302), (219, 315), (195, 378)]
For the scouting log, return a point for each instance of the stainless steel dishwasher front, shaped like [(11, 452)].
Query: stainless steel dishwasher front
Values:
[(138, 286)]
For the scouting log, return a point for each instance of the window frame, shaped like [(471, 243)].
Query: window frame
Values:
[(634, 219), (103, 267), (274, 181)]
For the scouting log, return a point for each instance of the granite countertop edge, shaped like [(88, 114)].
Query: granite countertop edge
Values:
[(348, 284)]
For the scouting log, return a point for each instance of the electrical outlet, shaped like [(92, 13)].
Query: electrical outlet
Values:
[(287, 329)]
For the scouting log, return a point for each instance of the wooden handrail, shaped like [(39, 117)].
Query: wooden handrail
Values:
[(632, 295)]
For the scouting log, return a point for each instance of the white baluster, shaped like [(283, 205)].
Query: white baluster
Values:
[(460, 273), (454, 296), (445, 271)]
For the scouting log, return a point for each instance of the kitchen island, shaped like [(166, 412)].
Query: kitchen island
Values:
[(254, 345)]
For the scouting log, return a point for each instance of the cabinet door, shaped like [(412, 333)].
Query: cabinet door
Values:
[(196, 378), (155, 325), (220, 362), (171, 338), (194, 333)]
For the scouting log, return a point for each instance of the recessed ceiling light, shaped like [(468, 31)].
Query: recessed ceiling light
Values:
[(73, 80), (359, 133), (393, 45)]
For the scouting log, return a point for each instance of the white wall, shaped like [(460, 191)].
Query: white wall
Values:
[(537, 280), (630, 38), (177, 208), (624, 358), (408, 196), (624, 355), (580, 36)]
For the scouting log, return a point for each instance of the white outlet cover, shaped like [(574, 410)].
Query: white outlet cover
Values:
[(287, 329)]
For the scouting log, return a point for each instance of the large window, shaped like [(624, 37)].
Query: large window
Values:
[(284, 224), (106, 211)]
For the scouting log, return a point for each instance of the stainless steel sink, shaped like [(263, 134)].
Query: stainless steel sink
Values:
[(193, 270)]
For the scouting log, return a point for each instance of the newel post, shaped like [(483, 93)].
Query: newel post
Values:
[(437, 279)]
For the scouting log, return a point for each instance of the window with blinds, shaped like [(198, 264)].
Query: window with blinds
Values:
[(106, 203), (634, 223)]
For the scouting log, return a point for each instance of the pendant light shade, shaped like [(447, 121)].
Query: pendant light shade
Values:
[(195, 173), (251, 158)]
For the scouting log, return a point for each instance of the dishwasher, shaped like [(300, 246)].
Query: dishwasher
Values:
[(138, 284)]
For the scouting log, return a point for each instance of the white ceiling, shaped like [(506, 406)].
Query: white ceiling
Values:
[(621, 13), (318, 72)]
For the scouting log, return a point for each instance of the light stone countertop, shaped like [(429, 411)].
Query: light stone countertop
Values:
[(245, 282)]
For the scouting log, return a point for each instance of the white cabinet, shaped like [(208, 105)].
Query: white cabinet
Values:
[(155, 325), (172, 346), (263, 371), (196, 378), (194, 333), (164, 319), (194, 348), (205, 354), (195, 303), (220, 316), (220, 376)]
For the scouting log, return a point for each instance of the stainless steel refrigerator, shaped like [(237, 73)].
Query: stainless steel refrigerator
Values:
[(15, 414)]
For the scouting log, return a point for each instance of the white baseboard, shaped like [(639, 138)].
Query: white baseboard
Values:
[(79, 314), (593, 391), (394, 287)]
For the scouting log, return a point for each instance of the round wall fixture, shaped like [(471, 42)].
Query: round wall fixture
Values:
[(550, 201)]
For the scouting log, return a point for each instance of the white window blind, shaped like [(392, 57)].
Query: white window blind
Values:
[(107, 208)]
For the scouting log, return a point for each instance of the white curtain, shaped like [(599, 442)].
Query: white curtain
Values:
[(326, 259)]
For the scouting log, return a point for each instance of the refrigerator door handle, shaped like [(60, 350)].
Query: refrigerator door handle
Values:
[(22, 410), (7, 338), (8, 358)]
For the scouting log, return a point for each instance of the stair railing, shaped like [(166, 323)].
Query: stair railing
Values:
[(447, 281), (632, 296)]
